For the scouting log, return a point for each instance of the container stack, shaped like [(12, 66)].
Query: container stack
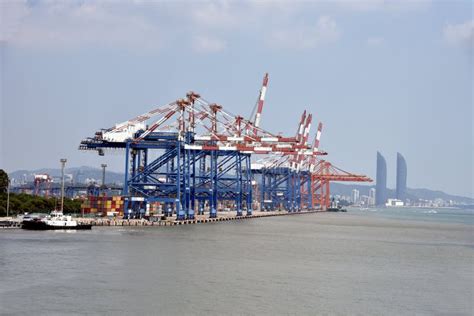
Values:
[(155, 208), (103, 205)]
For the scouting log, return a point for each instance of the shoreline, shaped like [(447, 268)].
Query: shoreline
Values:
[(200, 219), (171, 221), (354, 219)]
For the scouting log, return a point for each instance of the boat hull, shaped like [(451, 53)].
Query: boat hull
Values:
[(336, 209), (39, 225)]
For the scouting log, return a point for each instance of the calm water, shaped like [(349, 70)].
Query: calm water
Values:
[(357, 263), (465, 216)]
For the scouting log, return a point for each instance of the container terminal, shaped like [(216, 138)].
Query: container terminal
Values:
[(192, 161), (191, 157)]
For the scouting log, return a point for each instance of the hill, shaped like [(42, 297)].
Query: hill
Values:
[(75, 174), (412, 193), (84, 173)]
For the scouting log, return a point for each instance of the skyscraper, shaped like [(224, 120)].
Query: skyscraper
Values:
[(401, 177), (355, 196), (372, 197), (381, 179)]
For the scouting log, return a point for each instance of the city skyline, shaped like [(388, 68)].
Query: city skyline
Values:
[(71, 68), (381, 179)]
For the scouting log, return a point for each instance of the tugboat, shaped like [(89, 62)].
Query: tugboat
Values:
[(335, 207), (56, 220)]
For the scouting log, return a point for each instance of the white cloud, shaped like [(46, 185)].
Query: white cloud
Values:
[(11, 15), (229, 14), (278, 23), (327, 29), (144, 25), (459, 34), (324, 31), (212, 14), (387, 5), (205, 44), (53, 24), (375, 41)]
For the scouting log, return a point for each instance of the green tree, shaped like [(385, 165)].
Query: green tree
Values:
[(3, 181), (20, 203)]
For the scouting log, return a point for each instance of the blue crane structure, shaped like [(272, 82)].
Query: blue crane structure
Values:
[(192, 156)]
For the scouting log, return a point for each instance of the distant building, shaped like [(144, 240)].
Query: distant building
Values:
[(364, 200), (381, 181), (394, 202), (401, 178), (355, 196), (371, 200)]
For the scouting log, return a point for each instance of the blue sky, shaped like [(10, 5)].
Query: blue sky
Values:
[(381, 75)]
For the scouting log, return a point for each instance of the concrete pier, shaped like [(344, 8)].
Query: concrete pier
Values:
[(9, 223), (199, 219)]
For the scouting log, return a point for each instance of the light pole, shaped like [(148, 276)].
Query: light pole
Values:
[(63, 163), (8, 197), (103, 188), (104, 165)]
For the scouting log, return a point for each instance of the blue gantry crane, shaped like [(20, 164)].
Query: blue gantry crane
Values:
[(193, 156)]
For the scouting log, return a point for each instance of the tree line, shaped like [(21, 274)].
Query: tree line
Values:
[(21, 203)]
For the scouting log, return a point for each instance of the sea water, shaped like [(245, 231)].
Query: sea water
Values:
[(360, 262), (449, 215)]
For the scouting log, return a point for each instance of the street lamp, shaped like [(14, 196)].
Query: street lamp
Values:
[(63, 163), (103, 187), (104, 165), (8, 197)]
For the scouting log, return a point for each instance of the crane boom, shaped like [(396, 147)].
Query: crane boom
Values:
[(261, 101)]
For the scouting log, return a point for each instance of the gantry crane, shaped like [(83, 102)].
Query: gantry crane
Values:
[(191, 154)]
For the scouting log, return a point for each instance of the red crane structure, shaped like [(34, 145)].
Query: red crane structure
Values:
[(42, 184), (204, 159), (324, 174)]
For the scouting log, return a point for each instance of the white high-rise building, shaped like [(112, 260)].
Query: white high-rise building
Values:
[(355, 196), (372, 197)]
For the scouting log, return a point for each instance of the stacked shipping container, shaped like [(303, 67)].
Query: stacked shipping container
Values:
[(103, 205)]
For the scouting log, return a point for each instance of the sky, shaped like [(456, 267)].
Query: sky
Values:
[(388, 76)]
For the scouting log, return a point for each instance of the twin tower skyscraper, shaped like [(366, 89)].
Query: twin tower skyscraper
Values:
[(381, 179)]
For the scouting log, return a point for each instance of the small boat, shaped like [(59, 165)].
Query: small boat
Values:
[(31, 217), (56, 220), (336, 209)]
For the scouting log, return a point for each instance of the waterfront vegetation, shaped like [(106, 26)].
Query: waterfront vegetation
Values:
[(21, 203), (3, 181)]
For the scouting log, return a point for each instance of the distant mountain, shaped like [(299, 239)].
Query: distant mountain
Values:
[(76, 174), (84, 173), (412, 194)]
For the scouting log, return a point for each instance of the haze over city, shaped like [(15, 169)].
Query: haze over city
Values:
[(381, 76), (168, 157)]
